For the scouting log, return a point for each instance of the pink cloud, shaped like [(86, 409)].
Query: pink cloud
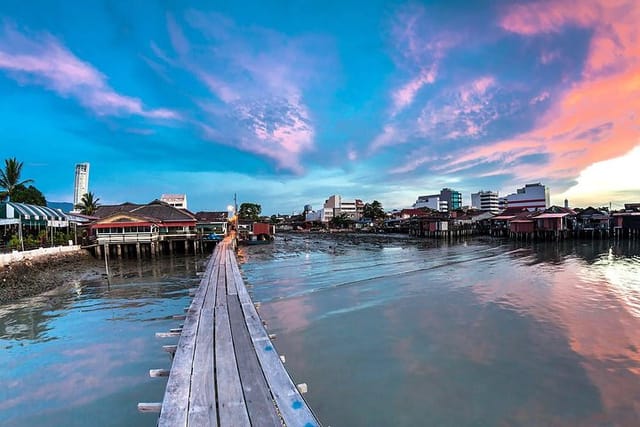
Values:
[(462, 113), (389, 136), (465, 114), (614, 25), (220, 89), (404, 96), (548, 16), (283, 140), (539, 98), (44, 61), (593, 120), (178, 40), (261, 107), (418, 48), (412, 164), (549, 56)]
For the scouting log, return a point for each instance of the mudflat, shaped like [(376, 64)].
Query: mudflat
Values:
[(31, 277)]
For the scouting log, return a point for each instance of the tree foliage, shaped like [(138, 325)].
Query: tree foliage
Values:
[(10, 177), (341, 221), (88, 204), (30, 195), (275, 220), (373, 211), (250, 211)]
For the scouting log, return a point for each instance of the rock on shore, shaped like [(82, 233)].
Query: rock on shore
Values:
[(32, 277)]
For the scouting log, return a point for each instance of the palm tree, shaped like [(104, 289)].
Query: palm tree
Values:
[(373, 211), (10, 177), (88, 204)]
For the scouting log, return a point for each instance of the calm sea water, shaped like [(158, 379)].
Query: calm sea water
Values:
[(391, 332), (471, 334), (80, 355)]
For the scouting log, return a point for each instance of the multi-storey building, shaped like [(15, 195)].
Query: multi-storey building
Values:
[(452, 197), (353, 208), (486, 201), (335, 206), (176, 200), (531, 196), (432, 201), (81, 183)]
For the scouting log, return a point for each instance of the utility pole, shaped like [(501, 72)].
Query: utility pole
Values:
[(235, 205)]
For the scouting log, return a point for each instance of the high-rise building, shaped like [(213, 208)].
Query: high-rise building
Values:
[(486, 201), (531, 196), (452, 197), (81, 183)]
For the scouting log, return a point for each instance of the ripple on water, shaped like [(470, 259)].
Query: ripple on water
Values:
[(484, 334)]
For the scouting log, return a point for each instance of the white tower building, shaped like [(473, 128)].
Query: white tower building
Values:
[(81, 184)]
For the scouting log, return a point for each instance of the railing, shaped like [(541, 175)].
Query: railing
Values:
[(107, 238), (179, 235), (146, 237)]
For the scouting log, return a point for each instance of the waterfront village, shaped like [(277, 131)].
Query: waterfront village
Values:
[(166, 224)]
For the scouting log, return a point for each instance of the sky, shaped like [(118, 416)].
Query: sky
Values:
[(285, 103)]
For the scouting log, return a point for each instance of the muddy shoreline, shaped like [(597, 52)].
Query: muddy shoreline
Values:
[(32, 277)]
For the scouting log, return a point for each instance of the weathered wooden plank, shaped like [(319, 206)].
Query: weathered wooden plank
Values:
[(202, 397), (258, 399), (167, 334), (231, 405), (149, 406), (176, 398), (154, 373), (170, 348), (231, 290), (292, 406), (221, 283)]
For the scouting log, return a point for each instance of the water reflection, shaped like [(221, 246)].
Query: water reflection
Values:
[(80, 353), (487, 333)]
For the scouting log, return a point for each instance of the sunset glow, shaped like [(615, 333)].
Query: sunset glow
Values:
[(286, 105)]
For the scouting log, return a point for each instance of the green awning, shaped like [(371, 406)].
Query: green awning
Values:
[(33, 215)]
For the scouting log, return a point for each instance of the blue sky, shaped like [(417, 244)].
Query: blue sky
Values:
[(286, 103)]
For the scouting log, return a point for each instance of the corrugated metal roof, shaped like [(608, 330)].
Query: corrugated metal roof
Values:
[(552, 215), (502, 217)]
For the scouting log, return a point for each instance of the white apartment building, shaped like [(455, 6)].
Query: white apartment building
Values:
[(176, 200), (531, 196), (432, 202), (486, 201), (335, 206), (353, 208), (321, 215), (81, 183)]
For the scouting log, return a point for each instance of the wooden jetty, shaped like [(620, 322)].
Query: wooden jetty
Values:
[(225, 370)]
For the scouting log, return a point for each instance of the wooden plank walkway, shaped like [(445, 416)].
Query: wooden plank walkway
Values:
[(226, 371)]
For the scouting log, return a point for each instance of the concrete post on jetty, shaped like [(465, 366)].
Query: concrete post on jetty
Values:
[(225, 370)]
